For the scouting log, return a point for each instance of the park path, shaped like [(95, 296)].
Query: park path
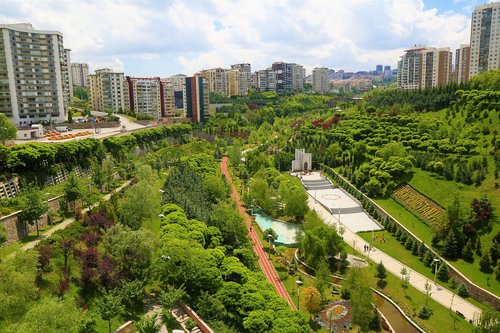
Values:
[(62, 225), (264, 263), (417, 280)]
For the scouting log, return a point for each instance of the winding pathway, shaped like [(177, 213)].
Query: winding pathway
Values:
[(264, 263)]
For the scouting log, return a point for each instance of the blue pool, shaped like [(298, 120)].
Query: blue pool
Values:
[(286, 231)]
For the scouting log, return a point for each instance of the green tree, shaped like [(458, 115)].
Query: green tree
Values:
[(140, 202), (322, 281), (381, 271), (97, 174), (72, 189), (33, 206), (148, 325), (442, 273), (7, 129), (109, 305), (485, 263), (50, 316), (489, 322), (3, 234), (405, 279), (361, 298), (262, 194), (310, 298), (17, 285)]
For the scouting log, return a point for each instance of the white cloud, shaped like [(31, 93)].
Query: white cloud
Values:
[(350, 34)]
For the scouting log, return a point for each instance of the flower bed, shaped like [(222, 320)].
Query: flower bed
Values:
[(420, 205), (337, 315)]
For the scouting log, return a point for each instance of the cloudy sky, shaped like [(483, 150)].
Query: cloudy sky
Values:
[(166, 37)]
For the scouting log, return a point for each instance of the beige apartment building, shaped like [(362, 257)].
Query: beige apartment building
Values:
[(265, 80), (244, 78), (35, 80), (222, 81), (174, 96), (106, 90), (320, 80), (142, 95), (79, 74), (485, 39), (462, 63), (424, 67)]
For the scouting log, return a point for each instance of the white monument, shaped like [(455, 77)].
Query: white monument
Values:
[(303, 160)]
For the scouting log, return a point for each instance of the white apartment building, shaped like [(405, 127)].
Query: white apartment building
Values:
[(35, 81), (266, 80), (462, 63), (79, 74), (244, 78), (320, 80), (485, 39), (424, 67), (106, 90), (298, 76), (143, 95)]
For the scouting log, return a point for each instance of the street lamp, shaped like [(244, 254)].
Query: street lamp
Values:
[(299, 283), (436, 261), (270, 236), (161, 195)]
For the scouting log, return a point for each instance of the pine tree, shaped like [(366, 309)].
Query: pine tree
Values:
[(397, 234), (450, 248), (467, 253), (485, 263), (463, 291), (403, 237), (442, 273), (409, 243), (381, 271), (422, 249), (414, 248), (428, 258)]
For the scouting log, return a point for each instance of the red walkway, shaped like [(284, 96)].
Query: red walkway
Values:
[(265, 264)]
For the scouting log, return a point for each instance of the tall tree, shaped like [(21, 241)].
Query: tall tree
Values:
[(109, 306), (310, 299), (361, 298), (139, 203), (33, 206), (7, 129), (73, 189)]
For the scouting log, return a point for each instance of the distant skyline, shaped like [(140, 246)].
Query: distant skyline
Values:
[(163, 38)]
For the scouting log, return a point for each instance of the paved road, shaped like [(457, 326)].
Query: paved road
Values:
[(264, 263), (417, 280), (60, 226)]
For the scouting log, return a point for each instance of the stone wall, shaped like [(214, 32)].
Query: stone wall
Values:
[(17, 230), (128, 327), (104, 124), (199, 322)]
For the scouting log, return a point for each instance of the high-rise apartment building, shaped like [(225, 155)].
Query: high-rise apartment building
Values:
[(266, 80), (320, 80), (143, 95), (244, 78), (79, 74), (484, 39), (462, 63), (289, 76), (174, 96), (197, 98), (423, 67), (379, 68), (106, 90), (35, 81), (222, 81)]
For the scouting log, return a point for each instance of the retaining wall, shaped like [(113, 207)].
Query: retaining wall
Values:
[(199, 322)]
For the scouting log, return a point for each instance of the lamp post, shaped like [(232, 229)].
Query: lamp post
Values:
[(436, 261), (161, 195), (299, 283), (269, 236)]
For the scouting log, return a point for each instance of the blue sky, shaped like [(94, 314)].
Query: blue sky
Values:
[(163, 38)]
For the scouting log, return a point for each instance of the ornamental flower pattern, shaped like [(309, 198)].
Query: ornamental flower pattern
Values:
[(337, 314)]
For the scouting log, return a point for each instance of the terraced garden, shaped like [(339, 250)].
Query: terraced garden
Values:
[(426, 209)]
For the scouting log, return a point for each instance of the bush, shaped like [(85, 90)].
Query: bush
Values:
[(424, 312), (463, 291)]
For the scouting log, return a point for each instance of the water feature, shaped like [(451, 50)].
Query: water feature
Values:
[(286, 231), (395, 318)]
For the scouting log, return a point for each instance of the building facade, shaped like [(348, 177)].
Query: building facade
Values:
[(143, 95), (106, 90), (79, 75), (35, 80), (289, 76), (265, 80), (174, 96), (244, 78), (462, 63), (320, 80), (197, 98), (222, 81), (424, 67), (484, 39)]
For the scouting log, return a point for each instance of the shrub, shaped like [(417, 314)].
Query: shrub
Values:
[(463, 291), (424, 312)]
